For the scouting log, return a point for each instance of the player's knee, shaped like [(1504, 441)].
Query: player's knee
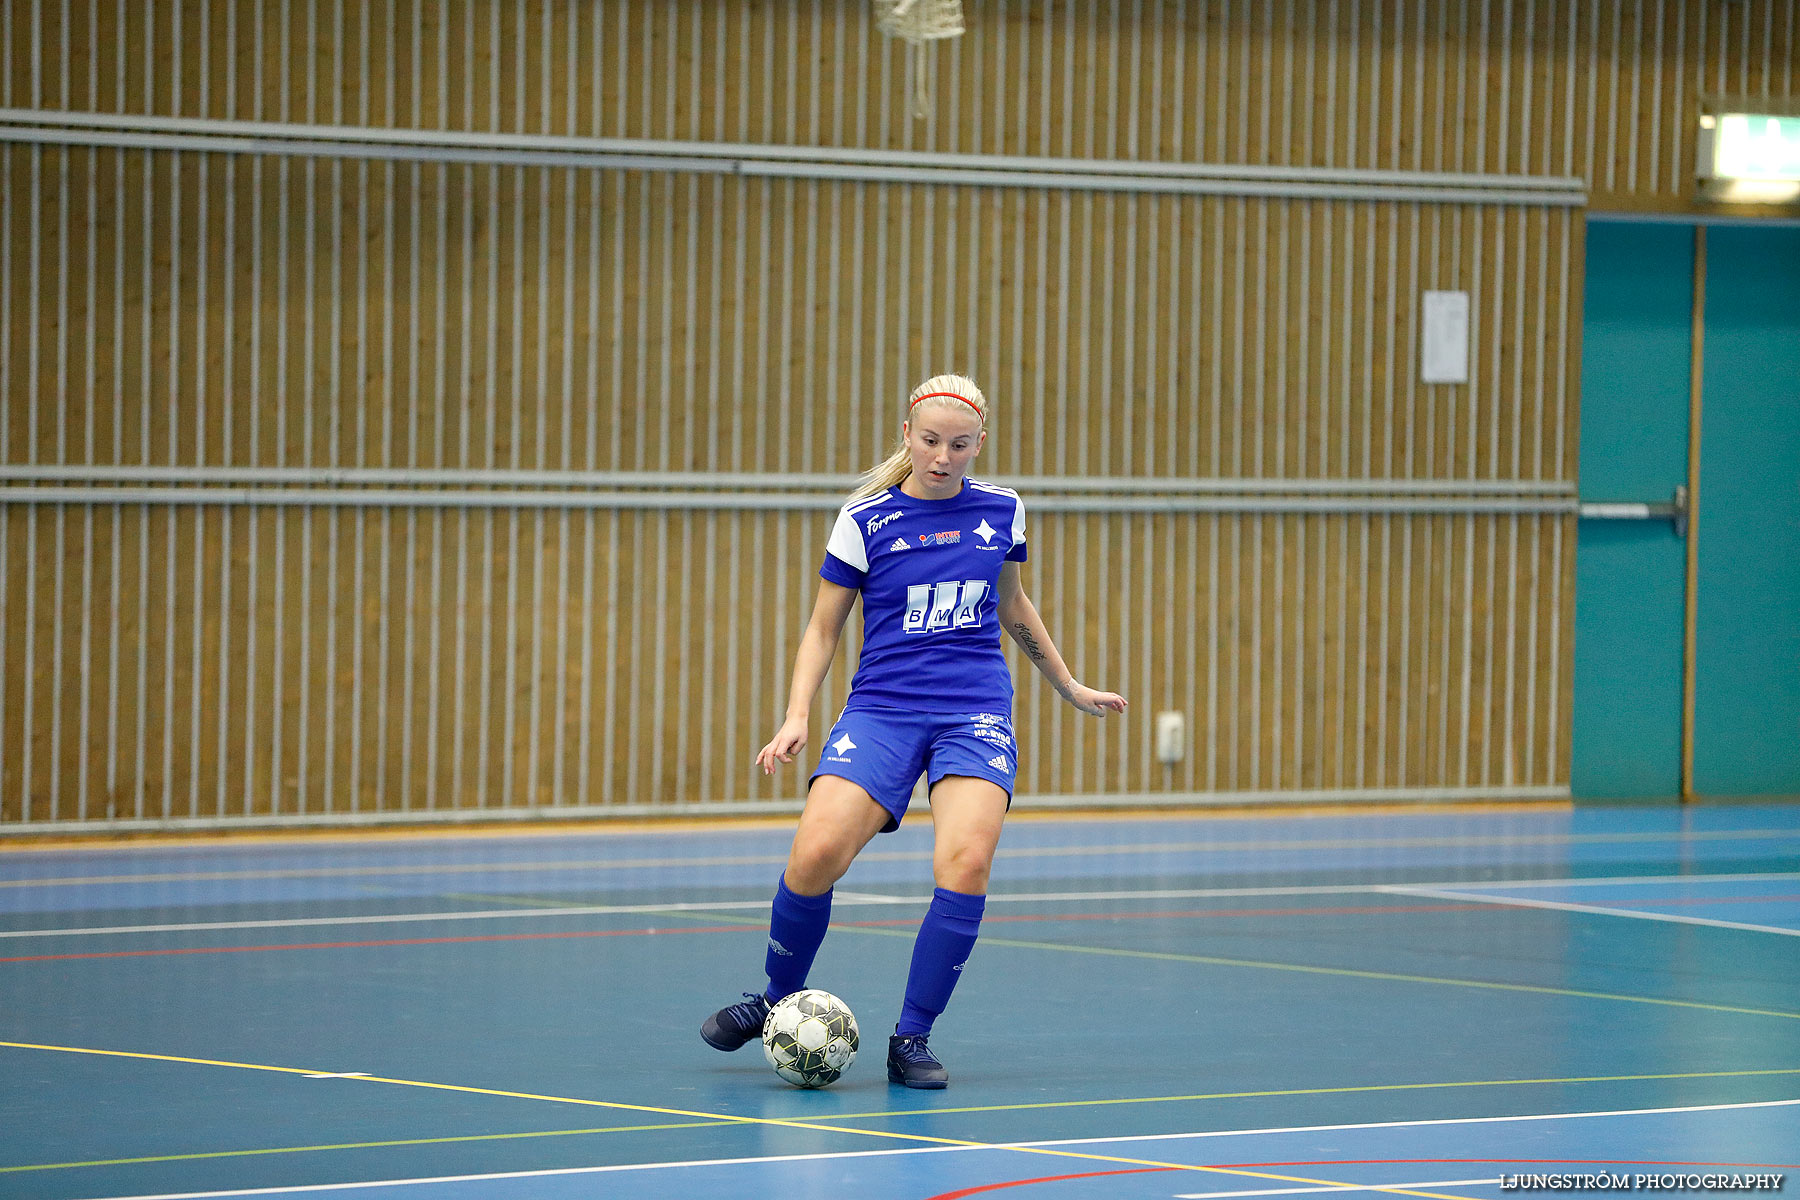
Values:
[(963, 868), (816, 862)]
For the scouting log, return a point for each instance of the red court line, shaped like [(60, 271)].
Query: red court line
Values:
[(1614, 1162), (1350, 1162), (532, 937), (1012, 1183)]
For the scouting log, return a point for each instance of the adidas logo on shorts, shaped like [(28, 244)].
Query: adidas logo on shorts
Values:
[(997, 762), (899, 544)]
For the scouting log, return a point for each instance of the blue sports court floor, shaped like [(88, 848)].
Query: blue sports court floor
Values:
[(1421, 1003)]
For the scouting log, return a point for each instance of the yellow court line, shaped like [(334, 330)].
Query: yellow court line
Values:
[(436, 1141), (731, 1118), (1345, 972), (919, 1112)]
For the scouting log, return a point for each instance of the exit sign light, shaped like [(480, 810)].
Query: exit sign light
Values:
[(1756, 146)]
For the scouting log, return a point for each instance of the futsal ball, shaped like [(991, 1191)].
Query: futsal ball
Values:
[(810, 1038)]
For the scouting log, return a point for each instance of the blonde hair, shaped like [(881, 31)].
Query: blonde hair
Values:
[(955, 392)]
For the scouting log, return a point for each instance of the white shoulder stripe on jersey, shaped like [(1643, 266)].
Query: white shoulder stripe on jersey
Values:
[(871, 501), (993, 488)]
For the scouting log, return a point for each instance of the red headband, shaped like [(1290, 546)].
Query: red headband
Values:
[(953, 396)]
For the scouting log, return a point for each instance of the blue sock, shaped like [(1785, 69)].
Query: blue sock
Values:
[(796, 927), (946, 936)]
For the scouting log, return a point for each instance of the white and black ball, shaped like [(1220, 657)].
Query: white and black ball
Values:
[(810, 1038)]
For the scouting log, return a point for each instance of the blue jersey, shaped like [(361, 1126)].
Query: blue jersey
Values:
[(929, 573)]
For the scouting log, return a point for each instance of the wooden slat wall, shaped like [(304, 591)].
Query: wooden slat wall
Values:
[(279, 662), (180, 308), (1605, 91)]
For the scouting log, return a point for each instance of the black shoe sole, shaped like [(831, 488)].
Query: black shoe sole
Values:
[(897, 1076)]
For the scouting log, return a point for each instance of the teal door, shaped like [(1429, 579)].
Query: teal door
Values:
[(1747, 677), (1630, 575)]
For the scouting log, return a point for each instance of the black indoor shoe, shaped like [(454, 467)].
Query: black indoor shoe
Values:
[(910, 1061), (735, 1024)]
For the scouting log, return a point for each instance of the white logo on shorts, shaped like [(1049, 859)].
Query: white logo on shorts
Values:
[(843, 745), (997, 762)]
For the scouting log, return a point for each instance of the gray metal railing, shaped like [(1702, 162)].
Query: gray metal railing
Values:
[(129, 131)]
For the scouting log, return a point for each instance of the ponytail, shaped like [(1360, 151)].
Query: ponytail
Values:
[(890, 472), (948, 391)]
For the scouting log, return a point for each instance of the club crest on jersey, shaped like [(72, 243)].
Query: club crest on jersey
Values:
[(940, 539), (985, 532), (843, 746), (876, 523)]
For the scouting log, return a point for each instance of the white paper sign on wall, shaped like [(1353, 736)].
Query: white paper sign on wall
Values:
[(1445, 345)]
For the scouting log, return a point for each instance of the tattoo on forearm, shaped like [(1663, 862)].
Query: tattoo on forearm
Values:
[(1022, 631)]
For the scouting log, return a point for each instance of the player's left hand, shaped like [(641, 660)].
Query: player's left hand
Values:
[(1095, 703)]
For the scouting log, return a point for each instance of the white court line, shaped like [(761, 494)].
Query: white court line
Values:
[(1606, 880), (1598, 910), (855, 898), (1084, 850), (495, 914), (848, 1154), (1218, 1133), (661, 1166), (1342, 1187)]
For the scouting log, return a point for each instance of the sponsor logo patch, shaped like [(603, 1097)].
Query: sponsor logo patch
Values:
[(940, 539), (877, 522), (900, 544), (997, 762)]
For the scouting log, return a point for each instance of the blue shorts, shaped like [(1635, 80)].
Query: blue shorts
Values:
[(885, 750)]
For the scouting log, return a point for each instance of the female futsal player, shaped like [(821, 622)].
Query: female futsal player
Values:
[(935, 556)]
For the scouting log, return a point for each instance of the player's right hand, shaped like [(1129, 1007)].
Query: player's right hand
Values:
[(786, 743)]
